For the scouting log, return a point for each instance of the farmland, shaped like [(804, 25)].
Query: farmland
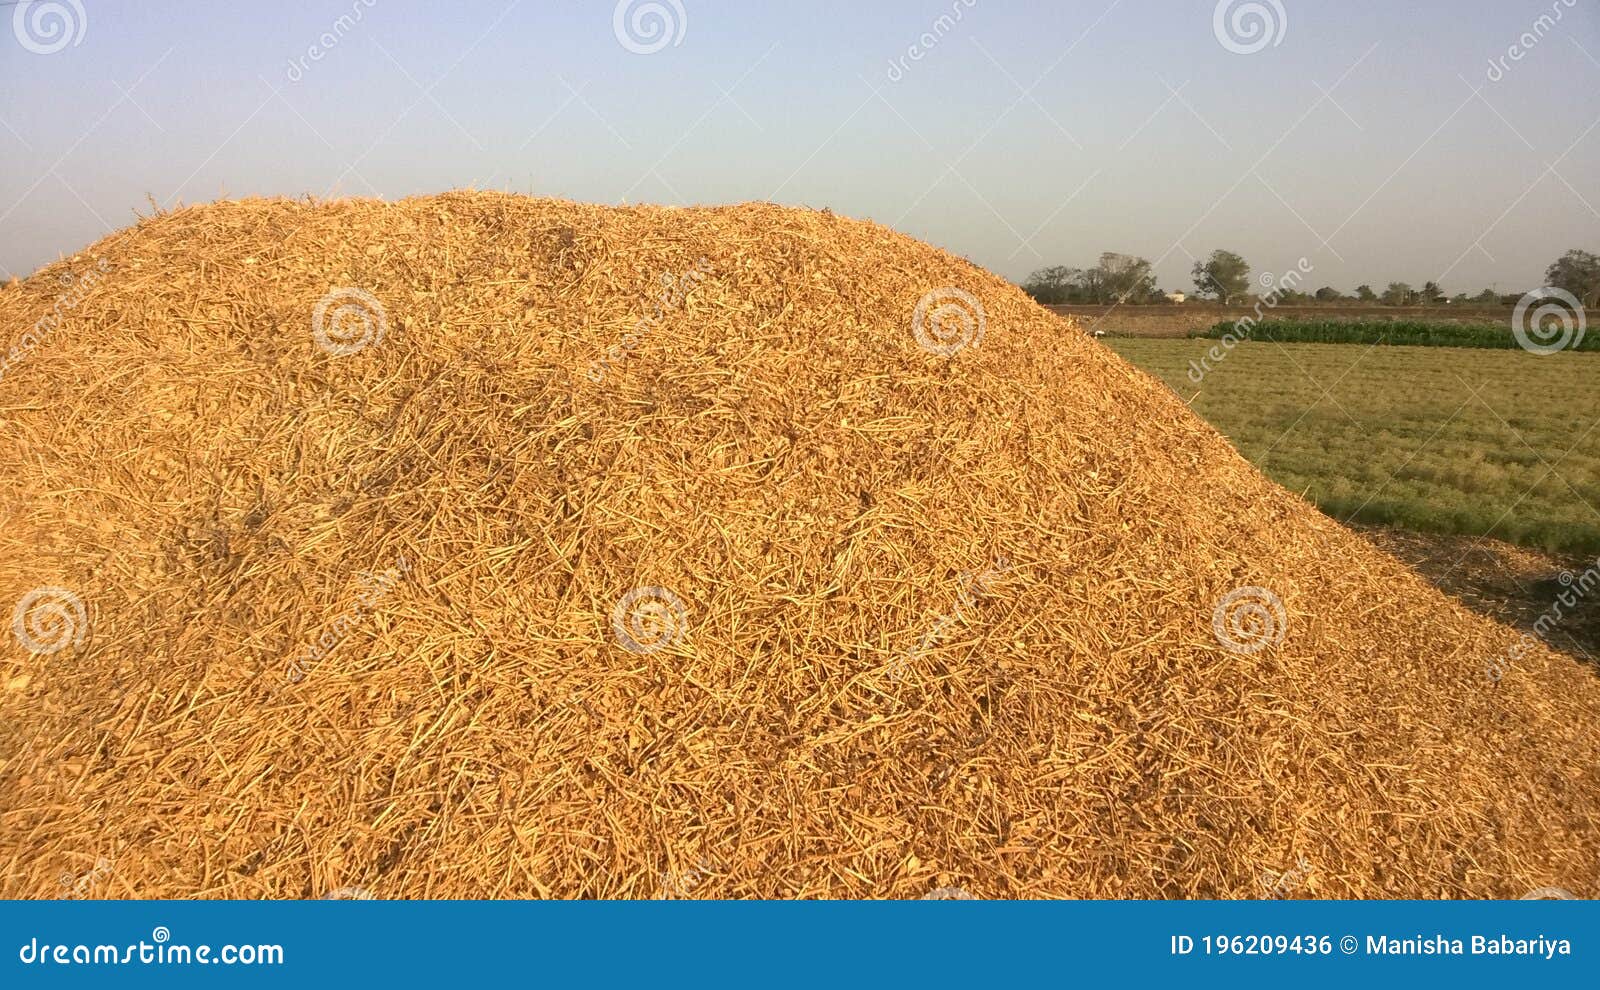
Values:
[(1437, 440), (1192, 317), (1419, 333)]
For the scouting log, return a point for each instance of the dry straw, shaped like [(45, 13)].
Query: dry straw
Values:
[(554, 411)]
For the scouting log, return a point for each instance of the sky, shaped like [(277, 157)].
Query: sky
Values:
[(1447, 140)]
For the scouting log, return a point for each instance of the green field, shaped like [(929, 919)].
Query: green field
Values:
[(1412, 332), (1444, 440)]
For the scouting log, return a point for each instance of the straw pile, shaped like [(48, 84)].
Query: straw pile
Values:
[(484, 546)]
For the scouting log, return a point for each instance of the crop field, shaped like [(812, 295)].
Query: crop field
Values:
[(1418, 333), (1129, 320), (1439, 440)]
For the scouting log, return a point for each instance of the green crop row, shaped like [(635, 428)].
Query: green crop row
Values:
[(1410, 332)]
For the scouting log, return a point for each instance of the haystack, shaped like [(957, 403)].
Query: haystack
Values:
[(486, 546)]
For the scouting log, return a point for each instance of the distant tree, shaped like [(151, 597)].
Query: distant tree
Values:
[(1460, 297), (1398, 294), (1224, 276), (1328, 294), (1124, 278), (1431, 293), (1051, 286), (1365, 293), (1578, 272), (1488, 297)]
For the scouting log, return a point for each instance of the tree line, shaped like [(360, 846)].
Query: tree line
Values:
[(1224, 277)]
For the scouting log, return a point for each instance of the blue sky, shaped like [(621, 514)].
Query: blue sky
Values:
[(1369, 139)]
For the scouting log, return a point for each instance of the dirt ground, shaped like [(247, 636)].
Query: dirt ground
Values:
[(1510, 583)]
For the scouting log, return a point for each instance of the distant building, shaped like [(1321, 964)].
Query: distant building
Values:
[(1176, 297)]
